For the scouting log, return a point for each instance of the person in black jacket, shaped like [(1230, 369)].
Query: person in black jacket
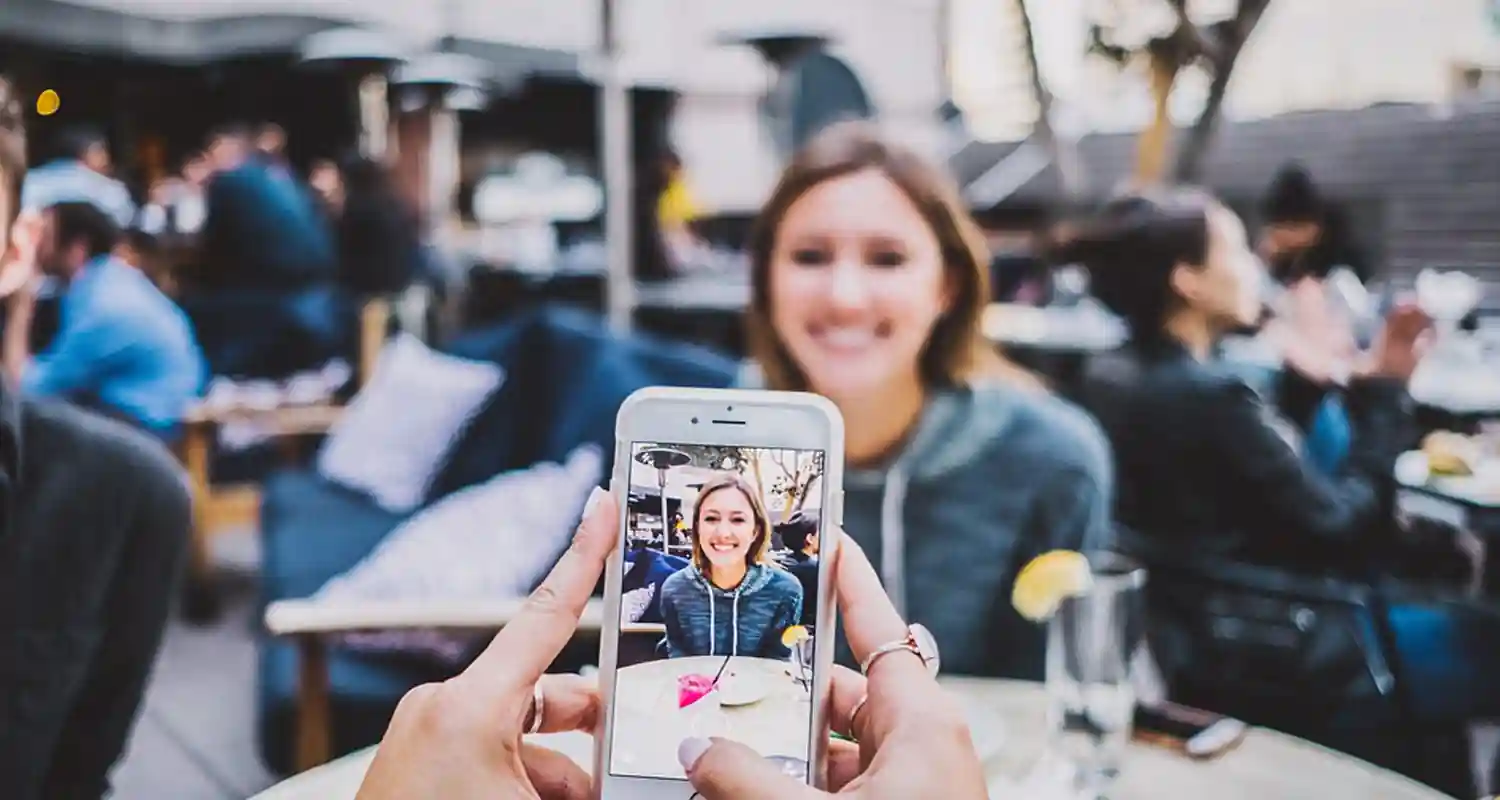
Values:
[(1206, 469), (799, 533), (94, 524), (1202, 460)]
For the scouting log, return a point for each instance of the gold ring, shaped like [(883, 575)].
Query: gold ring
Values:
[(538, 702)]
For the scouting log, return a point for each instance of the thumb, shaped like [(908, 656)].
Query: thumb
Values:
[(725, 770)]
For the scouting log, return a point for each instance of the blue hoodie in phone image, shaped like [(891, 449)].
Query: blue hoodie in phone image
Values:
[(748, 620)]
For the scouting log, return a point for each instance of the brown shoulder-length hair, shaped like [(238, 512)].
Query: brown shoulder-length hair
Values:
[(956, 353), (12, 152), (760, 549)]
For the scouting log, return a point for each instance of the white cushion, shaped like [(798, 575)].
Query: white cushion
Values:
[(492, 541), (392, 439)]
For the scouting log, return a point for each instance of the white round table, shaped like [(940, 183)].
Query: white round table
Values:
[(649, 723), (1005, 718)]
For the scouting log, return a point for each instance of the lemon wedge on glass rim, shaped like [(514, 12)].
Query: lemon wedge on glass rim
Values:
[(793, 635), (1049, 579)]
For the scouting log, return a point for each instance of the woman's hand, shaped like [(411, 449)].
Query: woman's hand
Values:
[(913, 740), (1401, 344), (462, 738), (1314, 340)]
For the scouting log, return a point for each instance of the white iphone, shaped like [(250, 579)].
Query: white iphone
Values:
[(719, 611)]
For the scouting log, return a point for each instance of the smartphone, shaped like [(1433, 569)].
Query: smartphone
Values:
[(719, 612), (1190, 731)]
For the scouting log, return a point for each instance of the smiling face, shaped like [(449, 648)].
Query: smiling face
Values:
[(728, 530), (857, 283)]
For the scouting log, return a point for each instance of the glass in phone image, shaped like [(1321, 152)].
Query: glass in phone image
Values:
[(718, 604)]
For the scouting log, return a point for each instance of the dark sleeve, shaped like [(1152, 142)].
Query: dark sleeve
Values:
[(1298, 398), (215, 243), (1282, 489), (139, 602)]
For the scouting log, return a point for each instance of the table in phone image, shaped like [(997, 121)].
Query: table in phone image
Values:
[(649, 725)]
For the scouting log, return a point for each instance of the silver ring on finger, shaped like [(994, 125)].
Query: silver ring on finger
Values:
[(538, 704), (918, 641)]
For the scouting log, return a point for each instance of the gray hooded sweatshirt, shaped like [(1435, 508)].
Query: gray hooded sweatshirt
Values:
[(704, 620), (992, 477)]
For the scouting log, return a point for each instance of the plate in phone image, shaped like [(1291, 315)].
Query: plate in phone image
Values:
[(742, 689)]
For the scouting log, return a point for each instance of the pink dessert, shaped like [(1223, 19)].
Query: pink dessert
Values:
[(692, 688)]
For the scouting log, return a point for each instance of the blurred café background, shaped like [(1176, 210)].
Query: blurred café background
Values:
[(562, 190)]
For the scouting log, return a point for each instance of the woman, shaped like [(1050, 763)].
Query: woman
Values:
[(463, 738), (1208, 471), (731, 600), (869, 280), (1202, 463)]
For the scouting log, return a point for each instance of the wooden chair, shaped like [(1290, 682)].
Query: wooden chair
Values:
[(311, 623), (218, 507)]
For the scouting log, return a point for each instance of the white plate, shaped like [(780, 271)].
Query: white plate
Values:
[(742, 689)]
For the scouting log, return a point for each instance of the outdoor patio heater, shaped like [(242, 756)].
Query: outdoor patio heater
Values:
[(663, 459), (364, 56), (444, 84)]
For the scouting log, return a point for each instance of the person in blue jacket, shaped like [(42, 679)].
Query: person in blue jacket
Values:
[(732, 600)]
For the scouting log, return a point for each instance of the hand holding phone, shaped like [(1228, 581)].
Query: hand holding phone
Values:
[(718, 607), (931, 753), (463, 738), (716, 662)]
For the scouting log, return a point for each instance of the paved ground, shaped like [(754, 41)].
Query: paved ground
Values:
[(195, 739)]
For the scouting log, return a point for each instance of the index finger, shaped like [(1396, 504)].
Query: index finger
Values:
[(523, 650), (870, 621)]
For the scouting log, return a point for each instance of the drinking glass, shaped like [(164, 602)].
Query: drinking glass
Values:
[(802, 661), (1092, 643)]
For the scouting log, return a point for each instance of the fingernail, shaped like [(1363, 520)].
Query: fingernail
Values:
[(593, 502), (690, 751)]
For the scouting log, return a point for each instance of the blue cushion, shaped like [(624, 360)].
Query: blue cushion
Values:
[(313, 529), (490, 443), (566, 377)]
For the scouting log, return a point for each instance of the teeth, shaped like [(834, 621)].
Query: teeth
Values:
[(848, 337)]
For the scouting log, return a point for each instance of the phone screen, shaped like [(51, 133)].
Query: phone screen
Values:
[(718, 604)]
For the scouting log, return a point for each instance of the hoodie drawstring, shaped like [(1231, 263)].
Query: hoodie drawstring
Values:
[(893, 536), (713, 625)]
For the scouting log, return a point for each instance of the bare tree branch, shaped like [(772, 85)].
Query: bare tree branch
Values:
[(1233, 37), (1100, 45), (1064, 154), (1191, 40)]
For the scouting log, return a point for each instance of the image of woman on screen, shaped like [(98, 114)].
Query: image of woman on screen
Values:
[(731, 600)]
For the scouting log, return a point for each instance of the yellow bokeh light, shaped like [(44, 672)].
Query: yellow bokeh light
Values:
[(47, 103)]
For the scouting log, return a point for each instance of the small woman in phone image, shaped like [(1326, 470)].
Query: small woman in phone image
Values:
[(732, 599)]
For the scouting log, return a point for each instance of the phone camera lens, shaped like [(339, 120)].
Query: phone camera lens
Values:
[(730, 409), (695, 420)]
